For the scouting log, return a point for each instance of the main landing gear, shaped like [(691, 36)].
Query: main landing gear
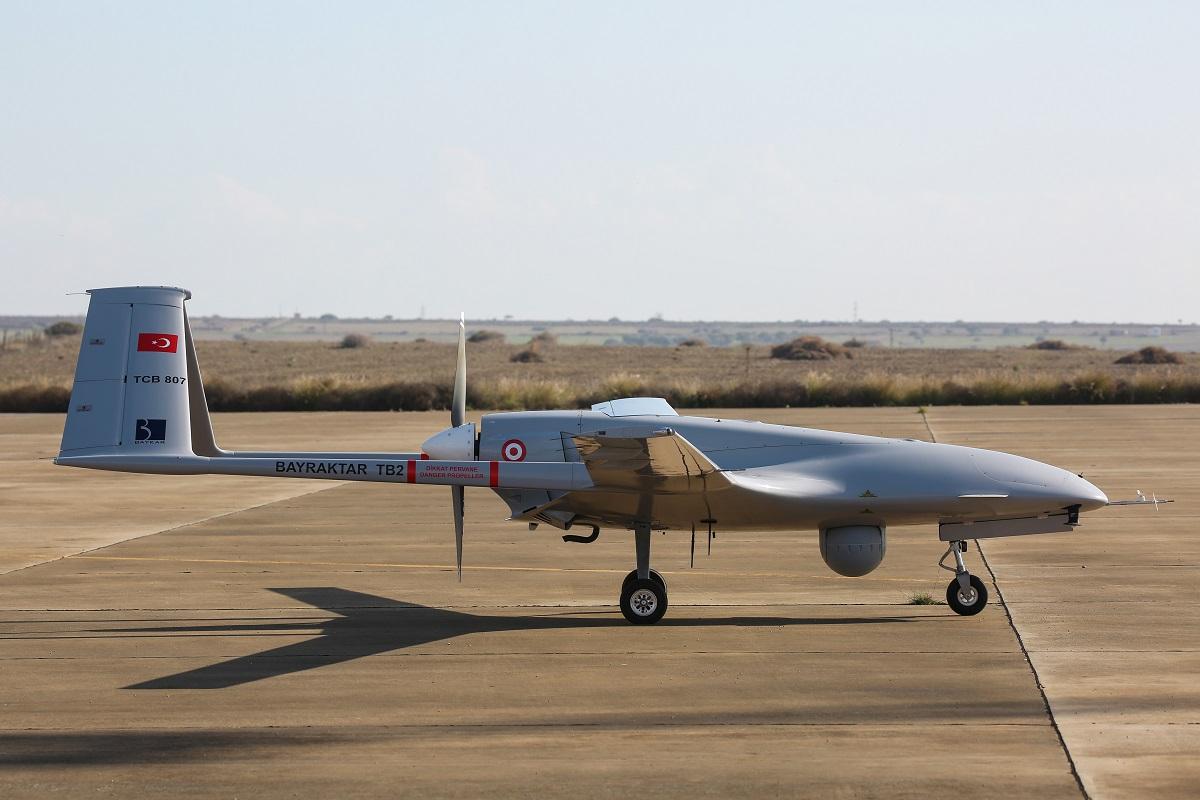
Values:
[(643, 592), (966, 594)]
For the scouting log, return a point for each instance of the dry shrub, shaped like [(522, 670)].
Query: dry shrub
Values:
[(530, 355), (1151, 355), (809, 348), (692, 343), (622, 384), (353, 341), (1054, 344), (532, 395), (64, 328), (544, 338), (486, 337), (854, 343), (817, 389), (329, 394), (40, 398)]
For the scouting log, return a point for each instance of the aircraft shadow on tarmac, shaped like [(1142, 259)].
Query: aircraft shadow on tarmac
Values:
[(369, 625)]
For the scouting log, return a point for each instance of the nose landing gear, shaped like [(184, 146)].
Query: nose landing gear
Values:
[(966, 594), (643, 592)]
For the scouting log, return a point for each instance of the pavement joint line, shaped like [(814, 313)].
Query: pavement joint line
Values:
[(570, 609), (1129, 601), (83, 553), (1037, 678), (550, 725), (1024, 652), (515, 653), (482, 567)]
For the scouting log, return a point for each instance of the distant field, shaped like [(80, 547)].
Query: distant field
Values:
[(662, 333), (255, 364), (263, 375)]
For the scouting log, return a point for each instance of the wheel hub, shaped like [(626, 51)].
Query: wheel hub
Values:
[(643, 602)]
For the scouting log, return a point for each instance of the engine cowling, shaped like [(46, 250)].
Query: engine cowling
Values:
[(853, 550)]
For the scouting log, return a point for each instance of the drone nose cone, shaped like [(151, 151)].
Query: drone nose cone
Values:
[(1087, 495), (1065, 489), (1035, 482)]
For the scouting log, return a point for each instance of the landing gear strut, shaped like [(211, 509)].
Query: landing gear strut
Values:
[(643, 592), (966, 594)]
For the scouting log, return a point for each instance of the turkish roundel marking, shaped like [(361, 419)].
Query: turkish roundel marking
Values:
[(158, 342), (513, 450)]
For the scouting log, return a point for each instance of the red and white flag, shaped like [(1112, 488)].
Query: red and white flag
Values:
[(157, 342)]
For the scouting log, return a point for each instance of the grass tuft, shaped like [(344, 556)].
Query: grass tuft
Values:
[(924, 599)]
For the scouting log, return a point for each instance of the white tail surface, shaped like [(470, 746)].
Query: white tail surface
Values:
[(131, 382), (138, 405)]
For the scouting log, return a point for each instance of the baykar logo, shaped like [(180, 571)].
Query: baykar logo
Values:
[(158, 342), (150, 430)]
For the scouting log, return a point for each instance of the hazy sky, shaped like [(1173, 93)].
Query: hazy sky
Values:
[(723, 161)]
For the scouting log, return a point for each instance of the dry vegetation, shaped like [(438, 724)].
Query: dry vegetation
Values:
[(530, 355), (64, 328), (810, 348), (354, 340), (417, 375), (486, 337), (1053, 344), (1151, 355)]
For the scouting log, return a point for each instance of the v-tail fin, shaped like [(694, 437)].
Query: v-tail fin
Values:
[(137, 383)]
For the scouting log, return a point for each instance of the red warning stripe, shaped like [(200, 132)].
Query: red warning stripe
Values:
[(412, 471), (494, 473)]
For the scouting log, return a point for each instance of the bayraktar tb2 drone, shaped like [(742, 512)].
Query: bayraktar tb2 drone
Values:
[(138, 405)]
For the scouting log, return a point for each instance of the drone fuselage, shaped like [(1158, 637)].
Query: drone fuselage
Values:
[(789, 478)]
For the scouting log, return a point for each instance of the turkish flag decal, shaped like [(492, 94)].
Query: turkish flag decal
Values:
[(157, 342)]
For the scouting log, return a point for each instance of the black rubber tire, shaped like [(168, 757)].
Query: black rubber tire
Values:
[(654, 576), (638, 607), (967, 609)]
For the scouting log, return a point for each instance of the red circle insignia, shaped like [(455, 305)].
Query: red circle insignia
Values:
[(513, 450)]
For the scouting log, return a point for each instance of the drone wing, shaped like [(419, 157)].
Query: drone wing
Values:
[(662, 463)]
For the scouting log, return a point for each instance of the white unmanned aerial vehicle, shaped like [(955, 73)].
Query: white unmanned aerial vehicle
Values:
[(138, 405)]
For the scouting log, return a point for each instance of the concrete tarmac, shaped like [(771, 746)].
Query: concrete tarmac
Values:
[(228, 637)]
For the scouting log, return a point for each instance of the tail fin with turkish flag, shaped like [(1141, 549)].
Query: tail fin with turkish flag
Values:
[(136, 389)]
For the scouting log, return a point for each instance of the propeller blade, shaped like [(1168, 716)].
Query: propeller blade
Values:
[(458, 406), (458, 414), (457, 494)]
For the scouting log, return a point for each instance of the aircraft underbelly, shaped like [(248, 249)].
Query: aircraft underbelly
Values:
[(736, 509)]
